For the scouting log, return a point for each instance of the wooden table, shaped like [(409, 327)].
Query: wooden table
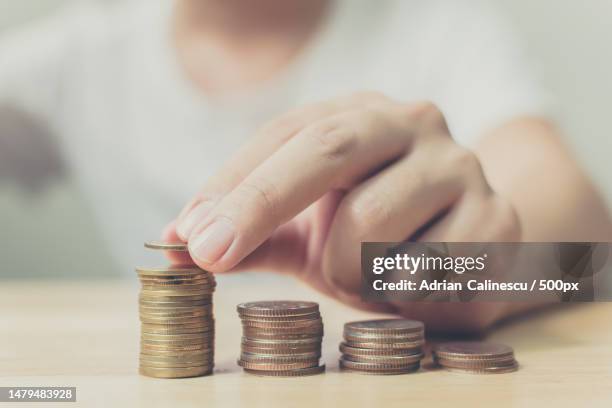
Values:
[(86, 335)]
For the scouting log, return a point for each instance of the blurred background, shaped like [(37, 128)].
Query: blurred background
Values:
[(568, 41)]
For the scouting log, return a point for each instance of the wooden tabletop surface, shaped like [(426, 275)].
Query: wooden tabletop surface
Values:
[(86, 334)]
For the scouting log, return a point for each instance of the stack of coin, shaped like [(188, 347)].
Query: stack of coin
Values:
[(475, 357), (383, 347), (281, 338), (177, 331)]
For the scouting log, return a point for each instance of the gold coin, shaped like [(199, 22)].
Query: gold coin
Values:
[(172, 354), (170, 271), (174, 329), (176, 364), (172, 320), (175, 292), (199, 314), (169, 344), (177, 309), (176, 372), (179, 337), (167, 246), (174, 348)]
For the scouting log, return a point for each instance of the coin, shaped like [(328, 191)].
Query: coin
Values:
[(389, 346), (355, 351), (282, 338), (276, 366), (383, 339), (385, 360), (282, 319), (175, 309), (387, 327), (399, 371), (474, 364), (170, 348), (355, 365), (297, 325), (176, 372), (288, 373), (286, 332), (167, 246), (475, 357), (307, 341), (486, 370), (155, 309), (473, 351), (171, 271), (277, 308), (202, 353), (279, 358), (175, 337)]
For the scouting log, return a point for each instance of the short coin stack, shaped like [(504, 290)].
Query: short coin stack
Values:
[(475, 357), (383, 347), (177, 331), (281, 338)]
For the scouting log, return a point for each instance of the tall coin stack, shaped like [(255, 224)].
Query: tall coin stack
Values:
[(475, 357), (177, 331), (383, 347), (281, 338)]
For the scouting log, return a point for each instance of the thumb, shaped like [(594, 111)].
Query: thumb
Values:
[(285, 251)]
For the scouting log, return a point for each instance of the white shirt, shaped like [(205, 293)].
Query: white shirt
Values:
[(141, 139)]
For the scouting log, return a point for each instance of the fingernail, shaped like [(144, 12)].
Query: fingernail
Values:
[(193, 218), (213, 242)]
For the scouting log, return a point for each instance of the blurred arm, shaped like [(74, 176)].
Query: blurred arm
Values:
[(527, 162), (32, 61)]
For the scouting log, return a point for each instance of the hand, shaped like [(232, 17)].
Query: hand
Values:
[(312, 185)]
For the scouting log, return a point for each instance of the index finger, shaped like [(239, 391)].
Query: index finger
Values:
[(332, 154), (267, 141)]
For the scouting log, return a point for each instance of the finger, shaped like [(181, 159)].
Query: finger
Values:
[(390, 207), (175, 258), (332, 154), (477, 219), (267, 141)]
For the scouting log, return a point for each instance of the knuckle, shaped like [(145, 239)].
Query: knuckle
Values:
[(365, 212), (332, 140), (281, 128), (260, 195), (508, 222), (424, 110), (464, 160), (427, 114)]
